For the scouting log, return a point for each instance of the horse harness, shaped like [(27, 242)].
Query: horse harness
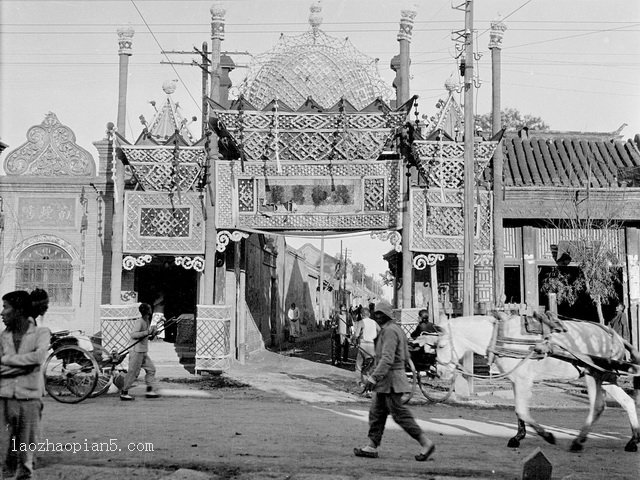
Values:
[(541, 345)]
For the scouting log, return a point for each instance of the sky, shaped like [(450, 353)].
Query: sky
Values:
[(574, 63)]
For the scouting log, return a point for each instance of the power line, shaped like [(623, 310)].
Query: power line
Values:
[(372, 22), (299, 32), (162, 49), (565, 37)]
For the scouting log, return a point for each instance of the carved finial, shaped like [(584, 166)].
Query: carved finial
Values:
[(125, 43), (406, 24), (315, 16), (169, 86), (217, 20), (497, 32), (451, 84)]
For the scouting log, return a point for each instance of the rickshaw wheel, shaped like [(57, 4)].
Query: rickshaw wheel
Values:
[(70, 374), (433, 387)]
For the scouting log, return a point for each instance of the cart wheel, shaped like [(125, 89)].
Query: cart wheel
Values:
[(70, 374), (367, 368), (412, 376), (434, 388), (105, 379)]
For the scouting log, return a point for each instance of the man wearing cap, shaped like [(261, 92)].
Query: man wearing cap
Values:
[(388, 382)]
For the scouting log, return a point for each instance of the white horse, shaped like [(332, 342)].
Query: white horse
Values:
[(478, 334)]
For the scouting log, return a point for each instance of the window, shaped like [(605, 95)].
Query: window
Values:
[(49, 267)]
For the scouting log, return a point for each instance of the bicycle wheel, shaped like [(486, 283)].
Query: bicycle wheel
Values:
[(413, 379), (433, 387), (70, 374)]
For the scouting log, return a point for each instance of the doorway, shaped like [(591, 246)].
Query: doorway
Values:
[(177, 284)]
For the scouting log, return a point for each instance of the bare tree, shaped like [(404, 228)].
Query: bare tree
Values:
[(512, 119), (591, 231)]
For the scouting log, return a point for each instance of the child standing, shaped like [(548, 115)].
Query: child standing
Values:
[(139, 358)]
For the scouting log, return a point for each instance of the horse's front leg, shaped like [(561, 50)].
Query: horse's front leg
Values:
[(522, 390), (626, 402), (514, 442), (596, 407)]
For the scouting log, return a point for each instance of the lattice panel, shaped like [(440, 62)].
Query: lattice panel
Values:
[(310, 137), (116, 325), (314, 196), (153, 166), (246, 195), (545, 237), (443, 162), (317, 65), (156, 225), (213, 338), (374, 194), (483, 283), (164, 222), (438, 222)]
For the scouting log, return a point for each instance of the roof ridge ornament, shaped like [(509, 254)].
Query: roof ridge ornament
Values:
[(406, 24), (125, 42), (315, 17), (497, 33), (217, 20), (50, 151)]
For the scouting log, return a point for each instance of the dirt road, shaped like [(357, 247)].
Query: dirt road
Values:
[(245, 433)]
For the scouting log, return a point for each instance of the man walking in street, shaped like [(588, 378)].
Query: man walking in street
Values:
[(365, 332), (293, 314), (388, 382), (139, 357)]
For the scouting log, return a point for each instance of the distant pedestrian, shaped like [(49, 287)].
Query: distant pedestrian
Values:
[(343, 325), (23, 350), (365, 331), (293, 314), (157, 317), (139, 357), (620, 323), (388, 382)]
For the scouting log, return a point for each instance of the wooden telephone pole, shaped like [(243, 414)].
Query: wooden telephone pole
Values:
[(469, 181), (204, 64)]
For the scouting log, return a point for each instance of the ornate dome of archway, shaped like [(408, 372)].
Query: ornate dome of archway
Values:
[(315, 65)]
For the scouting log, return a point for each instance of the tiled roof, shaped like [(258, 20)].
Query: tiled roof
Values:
[(565, 162)]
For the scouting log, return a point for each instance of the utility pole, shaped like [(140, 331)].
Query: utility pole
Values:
[(321, 312), (469, 180), (204, 66), (495, 45), (344, 276), (402, 96)]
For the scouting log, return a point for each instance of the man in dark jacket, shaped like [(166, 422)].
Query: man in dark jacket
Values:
[(388, 382)]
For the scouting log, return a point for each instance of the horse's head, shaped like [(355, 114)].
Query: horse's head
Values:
[(462, 335), (445, 354)]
